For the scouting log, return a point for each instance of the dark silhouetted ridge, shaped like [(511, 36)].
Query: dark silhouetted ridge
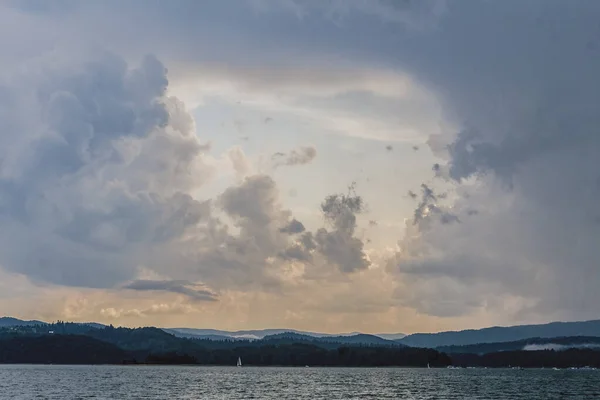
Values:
[(59, 349)]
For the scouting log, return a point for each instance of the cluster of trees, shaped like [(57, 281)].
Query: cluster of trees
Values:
[(59, 349), (298, 354), (59, 328)]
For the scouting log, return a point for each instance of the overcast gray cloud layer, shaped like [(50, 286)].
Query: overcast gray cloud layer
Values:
[(525, 87)]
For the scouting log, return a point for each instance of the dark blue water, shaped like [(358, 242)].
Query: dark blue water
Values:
[(146, 382)]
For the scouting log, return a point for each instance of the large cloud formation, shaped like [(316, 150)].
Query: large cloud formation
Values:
[(98, 169), (98, 164)]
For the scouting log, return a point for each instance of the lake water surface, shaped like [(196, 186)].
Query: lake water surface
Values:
[(151, 382)]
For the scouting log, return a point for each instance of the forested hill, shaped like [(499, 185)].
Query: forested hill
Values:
[(330, 341), (502, 334), (154, 346), (10, 321), (430, 340), (151, 333), (59, 349), (531, 344)]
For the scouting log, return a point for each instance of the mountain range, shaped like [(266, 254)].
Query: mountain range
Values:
[(88, 343), (261, 333), (427, 340), (503, 334), (531, 344)]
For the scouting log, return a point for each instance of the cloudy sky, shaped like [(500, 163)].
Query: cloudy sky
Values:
[(327, 165)]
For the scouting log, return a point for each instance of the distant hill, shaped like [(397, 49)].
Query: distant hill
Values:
[(360, 338), (502, 334), (148, 338), (94, 325), (215, 334), (75, 343), (57, 344), (185, 334), (10, 321), (531, 344), (428, 340), (331, 341), (391, 336), (211, 334)]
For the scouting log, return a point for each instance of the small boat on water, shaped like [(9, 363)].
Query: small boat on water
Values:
[(239, 362)]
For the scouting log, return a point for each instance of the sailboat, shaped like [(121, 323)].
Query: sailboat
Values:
[(428, 366), (239, 363)]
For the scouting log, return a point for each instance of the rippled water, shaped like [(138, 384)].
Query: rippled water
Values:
[(146, 382)]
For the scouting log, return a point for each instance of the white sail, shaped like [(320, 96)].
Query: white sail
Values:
[(239, 363)]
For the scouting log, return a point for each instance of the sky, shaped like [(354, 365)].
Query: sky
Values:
[(325, 165)]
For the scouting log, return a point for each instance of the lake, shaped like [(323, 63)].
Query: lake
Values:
[(178, 382)]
